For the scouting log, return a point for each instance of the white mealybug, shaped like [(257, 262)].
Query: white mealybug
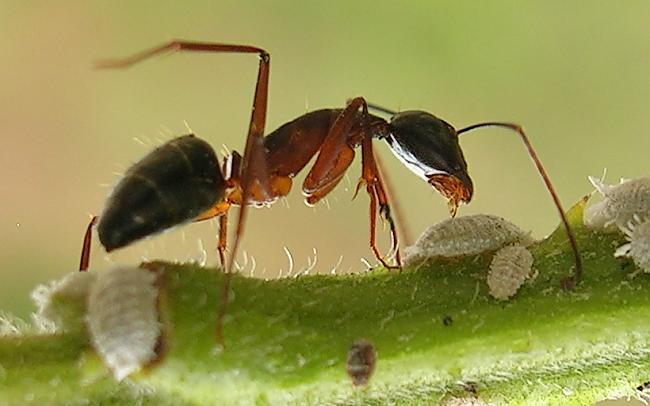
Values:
[(620, 203), (122, 318), (466, 235), (59, 303), (638, 247), (510, 268)]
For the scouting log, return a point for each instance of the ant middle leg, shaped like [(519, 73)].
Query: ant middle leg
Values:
[(223, 237)]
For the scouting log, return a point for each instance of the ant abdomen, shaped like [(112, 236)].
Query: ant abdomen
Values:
[(173, 184)]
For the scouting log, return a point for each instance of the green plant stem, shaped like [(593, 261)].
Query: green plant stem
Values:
[(287, 339)]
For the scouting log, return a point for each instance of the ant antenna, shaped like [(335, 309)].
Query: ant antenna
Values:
[(380, 109), (571, 281)]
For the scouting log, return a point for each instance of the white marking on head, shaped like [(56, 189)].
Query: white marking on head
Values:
[(411, 162)]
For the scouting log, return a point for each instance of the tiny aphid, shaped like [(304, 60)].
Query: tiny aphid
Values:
[(467, 235), (619, 205), (637, 233), (122, 319), (510, 268), (361, 362)]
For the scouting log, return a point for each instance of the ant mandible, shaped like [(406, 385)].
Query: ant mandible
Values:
[(182, 181)]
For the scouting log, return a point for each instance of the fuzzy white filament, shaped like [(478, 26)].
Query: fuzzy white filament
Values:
[(637, 233), (122, 318), (509, 269), (49, 300)]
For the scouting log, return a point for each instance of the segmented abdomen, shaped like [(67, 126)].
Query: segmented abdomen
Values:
[(172, 184)]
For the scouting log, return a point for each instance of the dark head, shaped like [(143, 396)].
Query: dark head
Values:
[(429, 147)]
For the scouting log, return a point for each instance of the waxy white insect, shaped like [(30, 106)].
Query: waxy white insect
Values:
[(510, 268), (121, 314), (122, 318), (637, 233), (466, 235), (619, 204), (50, 300)]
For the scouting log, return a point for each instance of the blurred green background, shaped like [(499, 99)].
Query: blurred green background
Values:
[(574, 74)]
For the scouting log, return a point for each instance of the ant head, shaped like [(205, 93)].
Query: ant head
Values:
[(429, 147)]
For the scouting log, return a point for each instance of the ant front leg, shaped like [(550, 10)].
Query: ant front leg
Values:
[(336, 155)]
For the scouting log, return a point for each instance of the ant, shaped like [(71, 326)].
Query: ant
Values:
[(182, 180)]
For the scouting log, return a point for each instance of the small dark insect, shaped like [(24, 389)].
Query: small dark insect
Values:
[(182, 181), (643, 386), (361, 363), (447, 320), (471, 388)]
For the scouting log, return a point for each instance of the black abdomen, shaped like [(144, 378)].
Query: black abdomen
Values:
[(172, 184)]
